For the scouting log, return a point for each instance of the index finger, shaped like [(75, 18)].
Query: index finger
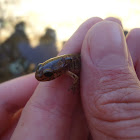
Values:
[(52, 102), (13, 96)]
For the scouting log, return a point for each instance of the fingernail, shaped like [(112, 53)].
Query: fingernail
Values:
[(107, 45)]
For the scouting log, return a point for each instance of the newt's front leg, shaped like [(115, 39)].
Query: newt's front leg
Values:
[(76, 81)]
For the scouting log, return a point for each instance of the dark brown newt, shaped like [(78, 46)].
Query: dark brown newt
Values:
[(65, 64)]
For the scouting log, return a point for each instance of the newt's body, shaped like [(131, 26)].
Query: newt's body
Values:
[(59, 65)]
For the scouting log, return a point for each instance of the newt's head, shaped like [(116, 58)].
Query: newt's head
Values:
[(50, 69)]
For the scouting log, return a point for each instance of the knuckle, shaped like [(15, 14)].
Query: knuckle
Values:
[(116, 88)]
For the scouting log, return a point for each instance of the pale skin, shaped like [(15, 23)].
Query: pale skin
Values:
[(109, 106)]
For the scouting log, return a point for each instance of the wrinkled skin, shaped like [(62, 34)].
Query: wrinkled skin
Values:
[(108, 106)]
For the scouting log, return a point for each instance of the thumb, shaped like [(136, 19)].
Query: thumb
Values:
[(110, 87)]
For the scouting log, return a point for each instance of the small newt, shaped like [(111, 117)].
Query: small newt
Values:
[(56, 66)]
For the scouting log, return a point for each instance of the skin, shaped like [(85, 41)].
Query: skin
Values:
[(110, 91)]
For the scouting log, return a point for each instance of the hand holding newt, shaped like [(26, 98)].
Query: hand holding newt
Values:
[(107, 107)]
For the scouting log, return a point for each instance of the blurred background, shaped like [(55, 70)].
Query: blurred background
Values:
[(34, 31)]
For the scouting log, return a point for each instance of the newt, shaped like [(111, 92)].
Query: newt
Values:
[(64, 64)]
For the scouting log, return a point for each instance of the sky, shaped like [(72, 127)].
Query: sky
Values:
[(66, 15)]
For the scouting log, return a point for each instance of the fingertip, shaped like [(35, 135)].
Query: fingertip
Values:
[(90, 22), (107, 45), (114, 20), (133, 43), (134, 34)]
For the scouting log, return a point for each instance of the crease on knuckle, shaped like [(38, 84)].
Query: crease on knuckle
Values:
[(116, 87), (118, 80)]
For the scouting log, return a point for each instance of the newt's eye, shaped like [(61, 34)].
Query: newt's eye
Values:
[(48, 74)]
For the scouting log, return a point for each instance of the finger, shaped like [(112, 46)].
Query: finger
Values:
[(117, 21), (79, 127), (73, 45), (52, 103), (14, 91), (114, 20), (110, 88), (8, 133), (133, 42), (14, 96)]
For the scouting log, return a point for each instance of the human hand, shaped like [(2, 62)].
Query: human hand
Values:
[(109, 92)]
